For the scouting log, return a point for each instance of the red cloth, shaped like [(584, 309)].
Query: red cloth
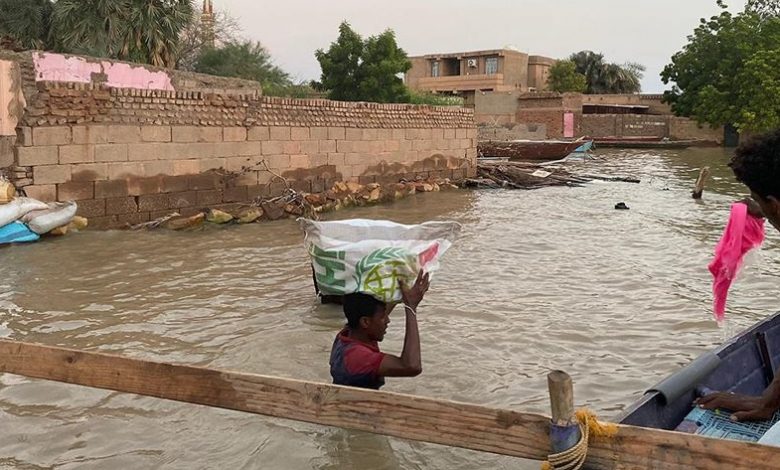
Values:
[(743, 233)]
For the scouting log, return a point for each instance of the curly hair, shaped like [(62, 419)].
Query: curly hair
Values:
[(756, 163)]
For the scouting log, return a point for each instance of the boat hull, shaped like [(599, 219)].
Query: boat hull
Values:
[(528, 150), (745, 364)]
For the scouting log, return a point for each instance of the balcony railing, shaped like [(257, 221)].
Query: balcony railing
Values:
[(461, 82)]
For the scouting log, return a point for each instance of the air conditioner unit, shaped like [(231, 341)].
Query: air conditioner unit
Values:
[(472, 63)]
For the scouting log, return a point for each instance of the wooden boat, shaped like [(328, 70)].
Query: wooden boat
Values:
[(745, 364), (533, 150)]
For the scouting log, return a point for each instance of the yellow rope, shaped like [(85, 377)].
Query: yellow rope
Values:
[(574, 458)]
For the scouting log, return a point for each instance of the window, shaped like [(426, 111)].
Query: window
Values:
[(491, 65), (435, 69)]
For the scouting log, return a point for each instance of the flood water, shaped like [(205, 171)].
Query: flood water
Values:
[(553, 278)]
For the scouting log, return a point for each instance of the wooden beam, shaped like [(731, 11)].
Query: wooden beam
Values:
[(408, 417), (698, 189)]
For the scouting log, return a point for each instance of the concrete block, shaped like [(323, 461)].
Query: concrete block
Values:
[(392, 145), (421, 145), (361, 146), (89, 172), (370, 134), (235, 194), (51, 174), (144, 185), (76, 191), (449, 134), (118, 134), (327, 146), (212, 164), (121, 205), (291, 148), (353, 159), (42, 192), (239, 163), (258, 133), (77, 154), (120, 171), (398, 134), (278, 162), (110, 189), (24, 136), (412, 134), (44, 136), (336, 133), (318, 133), (246, 178), (425, 134), (91, 208), (157, 168), (280, 133), (461, 134), (184, 199), (317, 160), (272, 147), (90, 134), (299, 133), (471, 133), (204, 181), (209, 198), (175, 184), (336, 159), (310, 147), (154, 202), (186, 167), (353, 134), (152, 151), (156, 133), (111, 153), (300, 161), (345, 146), (234, 134), (376, 146), (437, 133), (196, 134), (34, 156)]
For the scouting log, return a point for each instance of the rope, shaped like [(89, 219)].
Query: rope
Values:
[(574, 458)]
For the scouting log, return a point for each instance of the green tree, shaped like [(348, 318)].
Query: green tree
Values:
[(248, 60), (727, 72), (354, 69), (146, 31), (25, 24), (603, 77), (564, 78)]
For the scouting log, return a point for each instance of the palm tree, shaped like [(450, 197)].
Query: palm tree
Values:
[(25, 24), (606, 78), (146, 31)]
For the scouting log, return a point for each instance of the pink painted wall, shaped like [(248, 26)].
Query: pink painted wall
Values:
[(568, 125), (59, 68)]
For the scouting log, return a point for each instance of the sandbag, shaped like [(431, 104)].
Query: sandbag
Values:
[(17, 208), (17, 232), (371, 256), (55, 215)]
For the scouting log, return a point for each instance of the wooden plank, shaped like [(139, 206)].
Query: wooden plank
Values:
[(403, 416)]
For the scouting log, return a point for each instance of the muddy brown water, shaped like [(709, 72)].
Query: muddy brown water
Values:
[(554, 278)]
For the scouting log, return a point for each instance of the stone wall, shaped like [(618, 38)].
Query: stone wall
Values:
[(640, 125), (131, 154)]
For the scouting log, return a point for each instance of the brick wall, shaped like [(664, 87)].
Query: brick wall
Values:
[(129, 155), (639, 125)]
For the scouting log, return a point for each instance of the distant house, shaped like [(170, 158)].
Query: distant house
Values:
[(464, 73)]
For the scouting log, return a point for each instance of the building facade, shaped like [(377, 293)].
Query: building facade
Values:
[(465, 73)]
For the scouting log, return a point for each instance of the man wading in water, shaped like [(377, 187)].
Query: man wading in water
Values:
[(355, 359), (757, 165)]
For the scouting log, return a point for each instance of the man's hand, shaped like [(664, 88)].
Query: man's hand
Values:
[(745, 408), (412, 296)]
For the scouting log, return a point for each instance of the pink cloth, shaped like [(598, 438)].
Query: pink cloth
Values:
[(743, 233)]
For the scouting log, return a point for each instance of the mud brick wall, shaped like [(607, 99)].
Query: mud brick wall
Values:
[(128, 155), (641, 125)]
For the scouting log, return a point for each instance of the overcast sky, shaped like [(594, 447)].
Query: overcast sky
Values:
[(643, 31)]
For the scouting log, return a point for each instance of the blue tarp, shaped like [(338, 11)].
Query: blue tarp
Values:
[(17, 232)]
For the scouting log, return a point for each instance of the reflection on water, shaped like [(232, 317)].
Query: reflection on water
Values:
[(554, 278)]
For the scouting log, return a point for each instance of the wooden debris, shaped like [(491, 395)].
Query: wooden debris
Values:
[(698, 189), (529, 175)]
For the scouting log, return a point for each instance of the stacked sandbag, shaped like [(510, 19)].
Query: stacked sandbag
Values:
[(56, 214)]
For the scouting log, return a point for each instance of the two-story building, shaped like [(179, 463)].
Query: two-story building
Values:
[(465, 73)]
